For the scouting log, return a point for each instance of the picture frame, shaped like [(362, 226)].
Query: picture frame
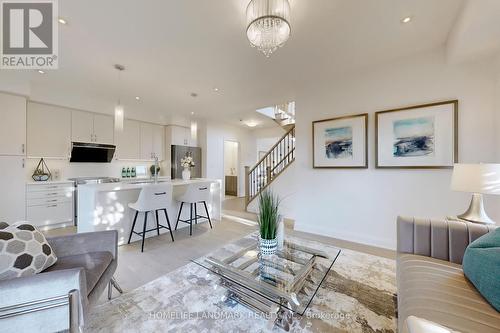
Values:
[(417, 137), (341, 142)]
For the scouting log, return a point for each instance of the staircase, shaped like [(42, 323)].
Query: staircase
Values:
[(276, 160), (284, 115)]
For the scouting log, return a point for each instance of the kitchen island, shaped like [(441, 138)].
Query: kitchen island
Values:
[(105, 206)]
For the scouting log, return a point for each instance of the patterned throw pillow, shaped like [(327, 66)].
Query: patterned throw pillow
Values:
[(24, 251)]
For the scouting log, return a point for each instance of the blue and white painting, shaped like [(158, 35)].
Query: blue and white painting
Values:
[(414, 137), (338, 142)]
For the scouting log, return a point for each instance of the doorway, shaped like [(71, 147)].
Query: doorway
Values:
[(231, 160)]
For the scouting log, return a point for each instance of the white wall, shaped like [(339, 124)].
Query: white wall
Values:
[(362, 205), (265, 138), (211, 139)]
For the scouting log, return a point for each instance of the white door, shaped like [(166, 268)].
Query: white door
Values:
[(48, 131), (128, 141), (158, 139), (13, 195), (103, 129), (12, 125), (146, 141), (81, 126)]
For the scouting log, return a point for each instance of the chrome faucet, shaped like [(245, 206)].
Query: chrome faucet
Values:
[(156, 168)]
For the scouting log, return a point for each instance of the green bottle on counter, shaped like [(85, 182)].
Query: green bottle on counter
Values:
[(128, 173), (133, 172), (124, 172)]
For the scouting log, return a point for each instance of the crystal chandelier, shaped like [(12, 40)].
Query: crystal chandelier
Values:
[(268, 24)]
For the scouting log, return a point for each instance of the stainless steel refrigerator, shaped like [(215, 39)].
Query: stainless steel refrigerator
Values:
[(178, 152)]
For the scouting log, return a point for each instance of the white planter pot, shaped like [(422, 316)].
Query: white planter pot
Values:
[(186, 174), (268, 246)]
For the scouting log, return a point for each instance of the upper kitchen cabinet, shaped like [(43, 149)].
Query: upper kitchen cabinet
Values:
[(159, 141), (91, 127), (146, 141), (13, 125), (128, 145), (103, 129), (82, 126), (48, 131), (152, 138), (180, 136)]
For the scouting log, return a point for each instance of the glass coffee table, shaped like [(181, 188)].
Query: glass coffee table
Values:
[(283, 284)]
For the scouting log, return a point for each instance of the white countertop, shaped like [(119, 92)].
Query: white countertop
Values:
[(128, 185), (49, 182)]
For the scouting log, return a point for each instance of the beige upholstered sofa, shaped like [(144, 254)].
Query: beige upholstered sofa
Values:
[(431, 283)]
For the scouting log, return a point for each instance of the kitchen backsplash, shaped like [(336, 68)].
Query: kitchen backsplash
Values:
[(64, 170)]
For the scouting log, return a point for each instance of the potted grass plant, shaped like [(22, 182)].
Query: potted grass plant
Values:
[(268, 219)]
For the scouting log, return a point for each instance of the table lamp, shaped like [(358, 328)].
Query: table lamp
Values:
[(477, 179)]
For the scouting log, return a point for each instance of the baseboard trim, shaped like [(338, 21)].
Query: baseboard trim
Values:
[(348, 237)]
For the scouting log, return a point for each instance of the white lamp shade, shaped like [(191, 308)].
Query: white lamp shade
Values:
[(476, 178), (119, 115), (194, 130)]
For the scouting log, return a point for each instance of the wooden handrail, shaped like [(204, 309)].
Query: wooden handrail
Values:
[(272, 148), (270, 166)]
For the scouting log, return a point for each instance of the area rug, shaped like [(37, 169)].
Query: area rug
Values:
[(358, 295)]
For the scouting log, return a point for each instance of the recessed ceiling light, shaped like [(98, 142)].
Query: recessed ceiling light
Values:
[(406, 19), (251, 123), (192, 113), (62, 21), (41, 72), (216, 89), (137, 98)]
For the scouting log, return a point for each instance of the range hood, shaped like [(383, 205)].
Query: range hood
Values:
[(91, 152)]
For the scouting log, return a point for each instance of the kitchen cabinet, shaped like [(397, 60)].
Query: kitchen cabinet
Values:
[(90, 127), (48, 131), (146, 141), (12, 203), (82, 126), (152, 137), (159, 141), (103, 129), (179, 136), (49, 204), (128, 141), (12, 125), (231, 185)]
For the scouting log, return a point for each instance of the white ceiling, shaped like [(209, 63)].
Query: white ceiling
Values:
[(174, 47)]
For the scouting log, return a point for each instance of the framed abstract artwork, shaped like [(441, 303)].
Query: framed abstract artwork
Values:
[(417, 137), (341, 142)]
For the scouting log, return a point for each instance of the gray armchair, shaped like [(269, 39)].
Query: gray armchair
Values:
[(58, 298)]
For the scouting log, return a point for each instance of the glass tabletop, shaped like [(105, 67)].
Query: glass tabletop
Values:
[(290, 278)]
